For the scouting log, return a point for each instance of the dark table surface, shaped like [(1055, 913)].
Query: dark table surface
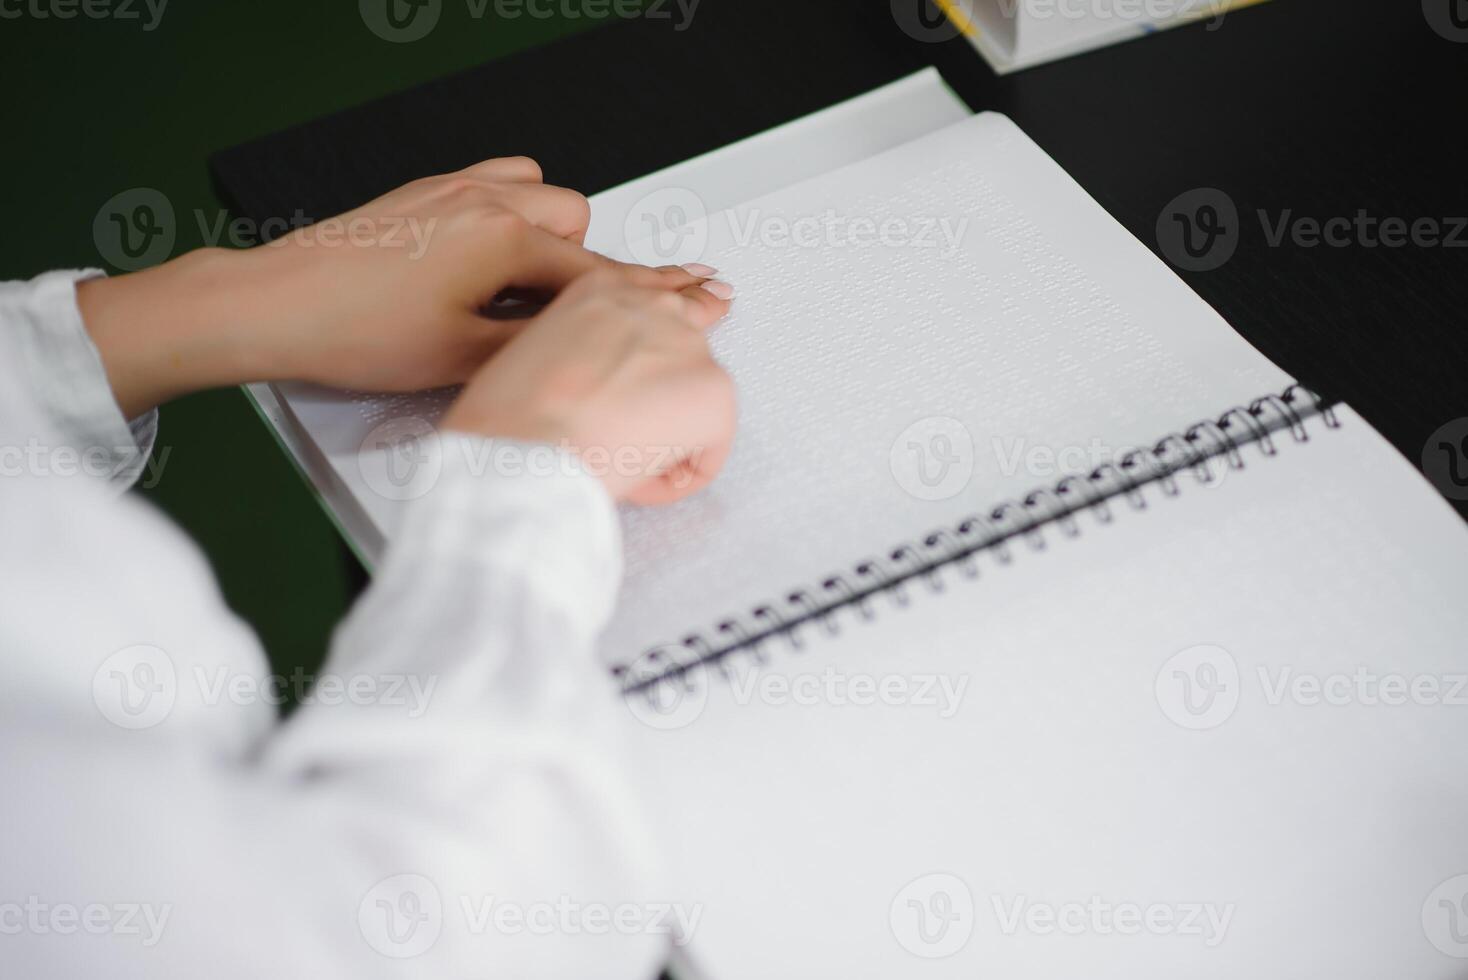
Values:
[(1291, 110)]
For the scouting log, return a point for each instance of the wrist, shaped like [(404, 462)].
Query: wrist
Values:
[(173, 329)]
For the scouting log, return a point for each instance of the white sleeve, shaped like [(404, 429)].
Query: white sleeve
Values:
[(80, 429), (447, 801)]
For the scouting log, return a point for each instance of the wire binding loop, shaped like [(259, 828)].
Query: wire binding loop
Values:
[(809, 609)]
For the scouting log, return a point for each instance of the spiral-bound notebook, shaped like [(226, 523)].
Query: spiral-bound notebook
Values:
[(1038, 625), (999, 647)]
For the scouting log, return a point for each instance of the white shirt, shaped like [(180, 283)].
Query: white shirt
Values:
[(446, 803)]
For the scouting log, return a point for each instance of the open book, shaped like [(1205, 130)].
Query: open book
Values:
[(1038, 626)]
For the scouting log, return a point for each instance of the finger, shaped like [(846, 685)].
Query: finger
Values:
[(704, 306), (696, 269), (544, 263), (690, 474), (670, 278), (711, 412), (558, 210), (521, 170), (667, 278), (691, 307), (615, 275), (687, 310), (659, 490)]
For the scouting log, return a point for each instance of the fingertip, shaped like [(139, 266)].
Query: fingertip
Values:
[(652, 493), (684, 480), (718, 289), (679, 276), (705, 308), (675, 277)]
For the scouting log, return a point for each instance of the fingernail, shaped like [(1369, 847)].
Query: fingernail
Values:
[(719, 290), (699, 269)]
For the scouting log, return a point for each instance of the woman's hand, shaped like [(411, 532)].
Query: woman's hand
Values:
[(617, 368), (388, 297)]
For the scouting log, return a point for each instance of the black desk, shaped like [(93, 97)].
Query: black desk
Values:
[(1301, 108)]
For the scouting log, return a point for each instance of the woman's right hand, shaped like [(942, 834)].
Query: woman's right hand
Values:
[(618, 367)]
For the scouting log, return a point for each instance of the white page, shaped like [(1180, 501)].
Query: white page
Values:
[(853, 130), (325, 430), (1331, 834), (1045, 327)]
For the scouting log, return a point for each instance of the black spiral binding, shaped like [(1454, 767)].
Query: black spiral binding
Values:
[(926, 560)]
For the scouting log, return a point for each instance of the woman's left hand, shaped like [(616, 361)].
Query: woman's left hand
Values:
[(387, 297)]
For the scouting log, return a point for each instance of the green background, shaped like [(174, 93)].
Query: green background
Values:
[(95, 107)]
